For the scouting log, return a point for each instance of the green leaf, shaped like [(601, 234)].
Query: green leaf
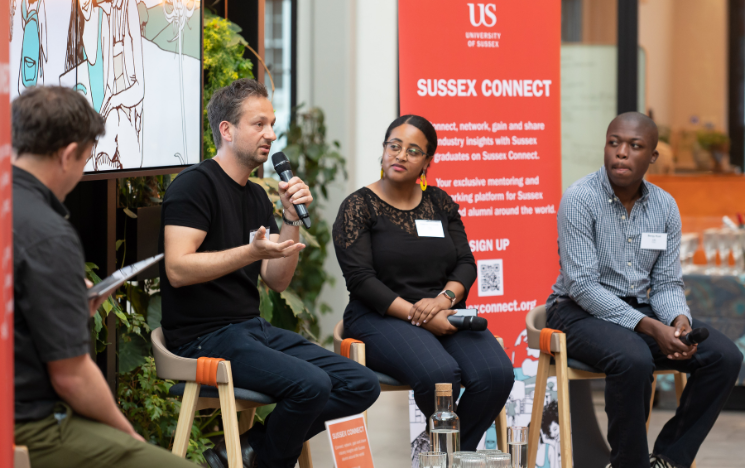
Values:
[(263, 411), (122, 316), (294, 301), (154, 312), (266, 307), (308, 238), (129, 213), (119, 243), (97, 322), (132, 353)]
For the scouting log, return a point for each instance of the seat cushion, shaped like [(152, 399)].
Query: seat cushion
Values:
[(388, 380), (579, 365), (209, 391), (575, 364)]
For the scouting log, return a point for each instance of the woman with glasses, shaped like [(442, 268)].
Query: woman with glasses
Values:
[(405, 257)]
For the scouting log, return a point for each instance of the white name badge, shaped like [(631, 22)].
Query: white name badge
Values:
[(654, 241), (253, 234), (427, 228)]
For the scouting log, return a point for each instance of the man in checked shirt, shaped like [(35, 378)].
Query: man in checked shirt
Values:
[(619, 299)]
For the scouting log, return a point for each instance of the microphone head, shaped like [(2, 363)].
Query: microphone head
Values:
[(280, 162), (698, 335), (478, 323)]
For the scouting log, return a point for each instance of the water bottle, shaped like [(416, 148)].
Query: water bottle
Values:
[(444, 425)]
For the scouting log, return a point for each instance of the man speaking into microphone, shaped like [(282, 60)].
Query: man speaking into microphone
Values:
[(219, 234)]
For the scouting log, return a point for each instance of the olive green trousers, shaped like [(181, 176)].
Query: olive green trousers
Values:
[(65, 439)]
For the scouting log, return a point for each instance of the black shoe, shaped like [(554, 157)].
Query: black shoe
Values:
[(218, 457)]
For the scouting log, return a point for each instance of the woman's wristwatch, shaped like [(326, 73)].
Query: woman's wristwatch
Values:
[(450, 295)]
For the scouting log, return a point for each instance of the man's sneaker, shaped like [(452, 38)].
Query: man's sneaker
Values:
[(655, 462)]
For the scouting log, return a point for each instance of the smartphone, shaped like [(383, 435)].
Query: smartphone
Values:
[(467, 312)]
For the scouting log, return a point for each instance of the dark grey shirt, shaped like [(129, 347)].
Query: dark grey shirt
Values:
[(51, 306)]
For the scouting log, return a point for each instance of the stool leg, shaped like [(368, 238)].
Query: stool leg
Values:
[(246, 420), (539, 395), (651, 401), (565, 419), (186, 418), (230, 420), (500, 424), (305, 460), (357, 354)]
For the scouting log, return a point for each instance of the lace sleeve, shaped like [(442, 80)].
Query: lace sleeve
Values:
[(445, 204), (352, 220)]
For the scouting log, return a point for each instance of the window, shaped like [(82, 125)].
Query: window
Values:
[(278, 32)]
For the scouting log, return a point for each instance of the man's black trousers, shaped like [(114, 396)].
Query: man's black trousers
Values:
[(628, 359)]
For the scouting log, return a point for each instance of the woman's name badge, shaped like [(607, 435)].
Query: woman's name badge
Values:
[(654, 241), (427, 228)]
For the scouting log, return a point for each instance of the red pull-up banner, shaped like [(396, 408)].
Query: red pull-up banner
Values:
[(6, 249), (487, 75)]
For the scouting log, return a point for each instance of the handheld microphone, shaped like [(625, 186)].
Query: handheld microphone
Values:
[(462, 322), (282, 166), (696, 336)]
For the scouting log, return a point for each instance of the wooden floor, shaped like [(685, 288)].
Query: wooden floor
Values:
[(388, 422)]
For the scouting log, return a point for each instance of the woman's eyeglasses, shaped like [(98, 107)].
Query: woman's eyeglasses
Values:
[(394, 149)]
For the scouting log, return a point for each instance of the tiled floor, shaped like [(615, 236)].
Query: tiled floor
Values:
[(389, 436)]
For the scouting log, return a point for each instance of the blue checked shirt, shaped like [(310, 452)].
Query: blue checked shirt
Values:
[(601, 256)]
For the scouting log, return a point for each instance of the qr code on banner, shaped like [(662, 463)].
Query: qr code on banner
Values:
[(491, 277)]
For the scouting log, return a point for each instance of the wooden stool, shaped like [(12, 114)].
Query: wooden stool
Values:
[(208, 383), (566, 369), (20, 457), (355, 350)]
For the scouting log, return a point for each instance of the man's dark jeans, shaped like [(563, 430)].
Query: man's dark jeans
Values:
[(312, 384), (628, 359)]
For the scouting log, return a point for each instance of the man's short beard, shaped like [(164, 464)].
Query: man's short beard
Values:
[(250, 160)]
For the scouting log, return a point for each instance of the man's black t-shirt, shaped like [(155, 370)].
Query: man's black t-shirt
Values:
[(50, 298), (204, 197)]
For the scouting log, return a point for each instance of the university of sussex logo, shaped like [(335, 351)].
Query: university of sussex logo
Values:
[(487, 14)]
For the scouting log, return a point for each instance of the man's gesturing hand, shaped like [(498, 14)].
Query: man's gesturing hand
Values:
[(262, 248), (292, 193)]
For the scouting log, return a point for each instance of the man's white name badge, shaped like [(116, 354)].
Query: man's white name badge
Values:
[(654, 241), (253, 234), (427, 228)]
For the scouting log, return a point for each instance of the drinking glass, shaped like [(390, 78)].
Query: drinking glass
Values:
[(711, 241), (726, 240), (470, 460), (517, 439), (432, 460), (693, 243), (458, 455), (737, 251), (688, 247), (740, 246), (497, 459)]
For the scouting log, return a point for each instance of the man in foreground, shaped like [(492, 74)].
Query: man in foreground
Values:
[(218, 235), (619, 298), (64, 411)]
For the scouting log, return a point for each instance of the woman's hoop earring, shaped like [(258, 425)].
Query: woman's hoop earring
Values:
[(381, 173), (423, 181)]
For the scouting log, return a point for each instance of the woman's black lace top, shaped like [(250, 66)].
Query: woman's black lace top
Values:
[(382, 257)]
